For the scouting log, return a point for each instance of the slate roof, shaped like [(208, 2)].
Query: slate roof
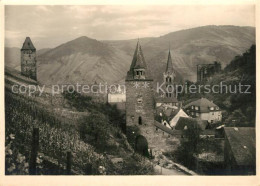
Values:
[(28, 45), (166, 129), (177, 116), (242, 142), (190, 123), (169, 67), (204, 104), (138, 62)]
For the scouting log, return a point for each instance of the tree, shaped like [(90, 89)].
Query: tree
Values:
[(95, 129)]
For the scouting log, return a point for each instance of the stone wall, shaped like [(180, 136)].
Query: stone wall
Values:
[(28, 64), (139, 104)]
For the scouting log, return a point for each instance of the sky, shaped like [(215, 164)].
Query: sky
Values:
[(50, 26)]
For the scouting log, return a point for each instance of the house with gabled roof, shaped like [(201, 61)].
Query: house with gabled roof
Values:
[(190, 123), (240, 150), (205, 110)]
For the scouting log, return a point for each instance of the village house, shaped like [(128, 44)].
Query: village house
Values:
[(117, 95), (205, 110), (240, 150), (185, 123), (176, 118)]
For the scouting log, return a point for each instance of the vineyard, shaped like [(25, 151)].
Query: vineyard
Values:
[(57, 138), (55, 141)]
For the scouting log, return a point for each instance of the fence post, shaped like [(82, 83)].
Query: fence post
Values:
[(89, 169), (68, 163), (34, 151)]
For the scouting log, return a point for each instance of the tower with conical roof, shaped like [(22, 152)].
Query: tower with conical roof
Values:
[(169, 74), (139, 92), (28, 59)]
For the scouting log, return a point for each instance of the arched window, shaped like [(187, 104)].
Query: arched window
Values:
[(140, 120)]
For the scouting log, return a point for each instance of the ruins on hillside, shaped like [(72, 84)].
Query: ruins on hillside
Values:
[(206, 71)]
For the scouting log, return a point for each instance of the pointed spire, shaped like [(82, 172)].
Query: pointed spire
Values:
[(169, 67), (28, 45), (138, 62), (138, 58)]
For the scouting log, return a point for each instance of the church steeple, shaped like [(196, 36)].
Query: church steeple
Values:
[(169, 74), (138, 58), (169, 67), (138, 68)]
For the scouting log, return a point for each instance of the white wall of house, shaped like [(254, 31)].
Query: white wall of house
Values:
[(211, 116), (116, 98)]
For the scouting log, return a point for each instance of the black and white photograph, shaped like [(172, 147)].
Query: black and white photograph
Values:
[(130, 90)]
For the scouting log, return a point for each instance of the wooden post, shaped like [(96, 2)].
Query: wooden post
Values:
[(68, 163), (89, 169), (34, 151)]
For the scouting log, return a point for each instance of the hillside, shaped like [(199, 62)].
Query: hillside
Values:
[(239, 108), (87, 60), (90, 131), (13, 56)]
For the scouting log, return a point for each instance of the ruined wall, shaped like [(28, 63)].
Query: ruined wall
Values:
[(205, 71)]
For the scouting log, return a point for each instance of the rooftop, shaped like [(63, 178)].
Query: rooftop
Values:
[(203, 103), (190, 123), (28, 45), (169, 67), (242, 143), (138, 62)]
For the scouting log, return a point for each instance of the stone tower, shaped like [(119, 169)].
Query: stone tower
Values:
[(28, 59), (139, 93), (169, 75)]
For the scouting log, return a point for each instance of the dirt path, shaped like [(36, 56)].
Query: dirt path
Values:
[(163, 171)]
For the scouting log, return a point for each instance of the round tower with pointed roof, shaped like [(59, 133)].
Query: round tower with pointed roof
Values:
[(28, 59), (139, 92)]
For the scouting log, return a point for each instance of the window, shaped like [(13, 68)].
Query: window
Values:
[(137, 72), (217, 108), (192, 107), (211, 108), (196, 108), (140, 120), (139, 100), (197, 114)]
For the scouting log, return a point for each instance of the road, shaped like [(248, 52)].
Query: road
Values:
[(165, 171)]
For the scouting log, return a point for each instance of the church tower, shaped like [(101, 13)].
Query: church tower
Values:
[(169, 75), (139, 93), (28, 59)]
